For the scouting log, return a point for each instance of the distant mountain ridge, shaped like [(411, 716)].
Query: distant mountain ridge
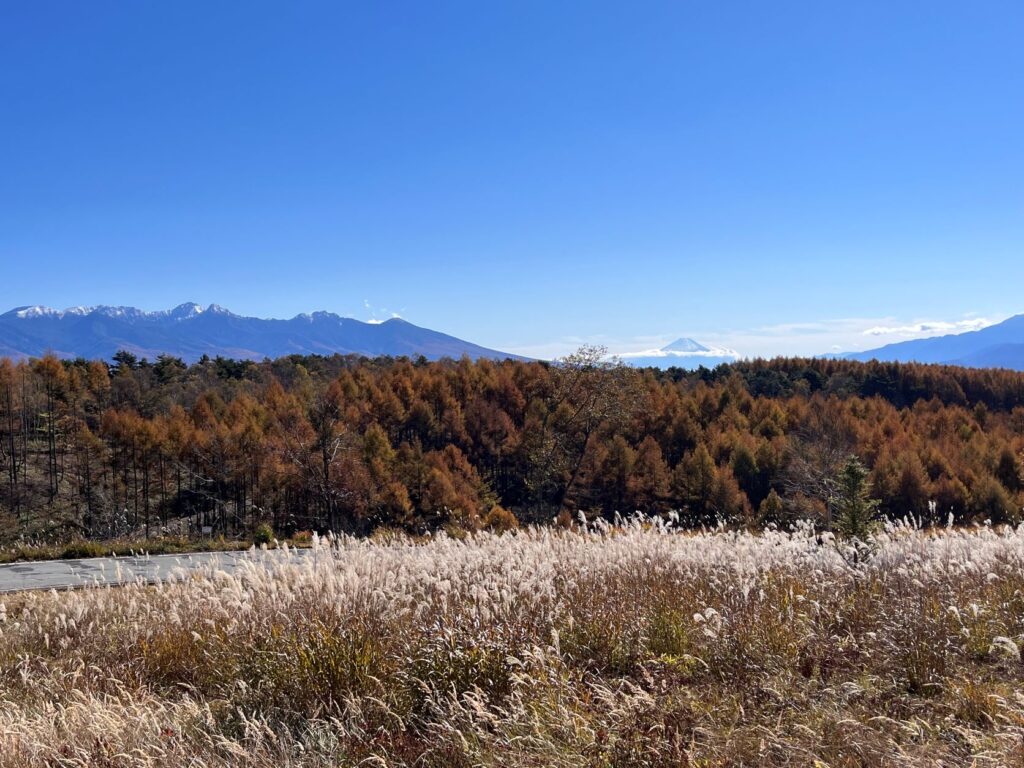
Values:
[(190, 331), (997, 346)]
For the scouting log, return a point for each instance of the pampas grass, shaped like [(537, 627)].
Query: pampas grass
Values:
[(632, 645)]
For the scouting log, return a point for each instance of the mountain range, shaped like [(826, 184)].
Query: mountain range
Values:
[(682, 353), (997, 346), (190, 331)]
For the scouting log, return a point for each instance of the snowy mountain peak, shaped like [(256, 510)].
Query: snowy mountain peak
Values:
[(185, 311), (681, 353), (34, 311), (685, 345), (117, 312)]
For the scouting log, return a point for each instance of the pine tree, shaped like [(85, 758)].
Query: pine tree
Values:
[(771, 510), (1008, 471), (854, 509)]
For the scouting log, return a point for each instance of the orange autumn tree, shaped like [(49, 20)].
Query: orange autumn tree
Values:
[(351, 444)]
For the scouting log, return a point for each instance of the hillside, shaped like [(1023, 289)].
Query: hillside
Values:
[(998, 346)]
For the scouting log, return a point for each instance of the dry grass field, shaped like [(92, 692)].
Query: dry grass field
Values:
[(634, 646)]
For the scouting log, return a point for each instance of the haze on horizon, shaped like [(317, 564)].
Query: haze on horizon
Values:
[(786, 179)]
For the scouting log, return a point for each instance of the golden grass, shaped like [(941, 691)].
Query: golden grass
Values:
[(629, 647)]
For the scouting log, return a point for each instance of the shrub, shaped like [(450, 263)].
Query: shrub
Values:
[(302, 538), (76, 550), (264, 535), (500, 520)]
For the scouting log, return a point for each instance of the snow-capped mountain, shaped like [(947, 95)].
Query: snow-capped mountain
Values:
[(681, 353), (684, 346), (189, 331)]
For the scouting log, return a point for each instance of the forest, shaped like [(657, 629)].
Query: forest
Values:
[(140, 448)]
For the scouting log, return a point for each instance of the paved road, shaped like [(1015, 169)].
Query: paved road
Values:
[(58, 574)]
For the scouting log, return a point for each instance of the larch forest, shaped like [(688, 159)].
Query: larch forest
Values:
[(307, 443)]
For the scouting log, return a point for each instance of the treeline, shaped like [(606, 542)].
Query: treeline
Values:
[(345, 443)]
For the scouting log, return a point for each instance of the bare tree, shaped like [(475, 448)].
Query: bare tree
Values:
[(814, 459), (590, 392)]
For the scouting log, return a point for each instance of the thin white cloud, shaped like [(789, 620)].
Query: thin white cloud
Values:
[(710, 352), (851, 334), (930, 327), (798, 338), (376, 313)]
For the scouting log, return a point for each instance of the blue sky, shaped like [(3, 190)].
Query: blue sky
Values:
[(774, 177)]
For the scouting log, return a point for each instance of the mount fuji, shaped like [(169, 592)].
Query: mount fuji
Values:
[(681, 353)]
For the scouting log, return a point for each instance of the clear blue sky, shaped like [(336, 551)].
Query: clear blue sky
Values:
[(773, 176)]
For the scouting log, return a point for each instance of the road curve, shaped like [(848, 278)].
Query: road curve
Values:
[(64, 574)]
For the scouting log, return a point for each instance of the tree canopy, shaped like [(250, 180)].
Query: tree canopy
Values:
[(345, 443)]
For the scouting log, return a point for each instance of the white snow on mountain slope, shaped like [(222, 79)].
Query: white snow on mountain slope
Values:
[(681, 353), (191, 331), (683, 347)]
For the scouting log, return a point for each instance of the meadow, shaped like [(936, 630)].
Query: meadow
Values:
[(618, 646)]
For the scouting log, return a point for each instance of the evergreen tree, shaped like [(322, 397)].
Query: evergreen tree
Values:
[(854, 509), (693, 483), (771, 510), (648, 483), (1008, 471), (990, 501)]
